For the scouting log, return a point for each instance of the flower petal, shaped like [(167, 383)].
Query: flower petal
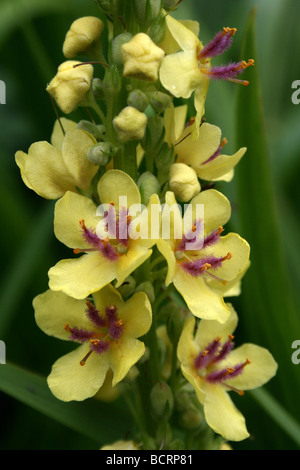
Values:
[(222, 415), (179, 74), (115, 184), (209, 330), (54, 309), (202, 301), (174, 120), (130, 261), (69, 380), (217, 209), (166, 250), (80, 277), (186, 39), (58, 135), (123, 356), (195, 152), (261, 369), (239, 250), (44, 170), (74, 150), (220, 166), (69, 210), (187, 348), (137, 315)]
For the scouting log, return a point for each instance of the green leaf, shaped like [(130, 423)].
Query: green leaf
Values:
[(102, 422), (269, 315), (278, 413)]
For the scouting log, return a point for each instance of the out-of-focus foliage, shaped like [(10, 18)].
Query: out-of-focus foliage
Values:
[(31, 37)]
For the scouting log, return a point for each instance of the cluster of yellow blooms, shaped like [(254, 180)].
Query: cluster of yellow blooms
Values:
[(140, 146)]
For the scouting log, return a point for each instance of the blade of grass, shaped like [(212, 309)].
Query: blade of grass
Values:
[(100, 421), (269, 313), (284, 419)]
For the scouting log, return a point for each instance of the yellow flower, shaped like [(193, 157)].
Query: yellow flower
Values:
[(109, 253), (198, 256), (52, 169), (107, 331), (142, 58), (203, 154), (214, 368), (82, 34), (71, 84), (130, 124), (183, 182), (189, 70)]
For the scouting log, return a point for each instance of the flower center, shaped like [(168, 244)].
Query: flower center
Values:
[(190, 252), (207, 361), (219, 44), (116, 238), (106, 328)]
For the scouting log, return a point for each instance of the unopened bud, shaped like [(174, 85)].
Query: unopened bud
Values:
[(148, 185), (82, 34), (162, 401), (101, 153), (89, 127), (111, 84), (148, 289), (147, 10), (184, 182), (142, 58), (116, 47), (191, 419), (169, 4), (97, 87), (160, 101), (138, 100), (127, 288), (71, 84), (130, 124)]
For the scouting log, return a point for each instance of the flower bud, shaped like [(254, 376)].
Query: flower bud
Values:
[(89, 127), (111, 84), (148, 185), (81, 35), (101, 153), (157, 30), (176, 321), (107, 6), (130, 124), (142, 58), (146, 287), (147, 10), (160, 101), (116, 47), (127, 288), (154, 134), (71, 84), (97, 87), (138, 100), (161, 398), (191, 419), (184, 182)]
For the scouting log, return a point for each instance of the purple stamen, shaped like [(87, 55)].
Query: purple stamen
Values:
[(191, 237), (97, 243), (99, 346), (225, 72), (200, 266), (79, 335), (94, 315), (206, 356), (224, 351), (219, 44)]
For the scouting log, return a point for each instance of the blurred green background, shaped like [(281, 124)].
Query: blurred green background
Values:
[(265, 197)]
